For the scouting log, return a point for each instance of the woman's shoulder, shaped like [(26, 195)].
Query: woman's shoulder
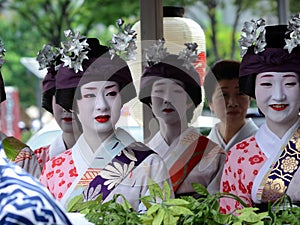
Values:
[(143, 151), (139, 146), (244, 147), (60, 158)]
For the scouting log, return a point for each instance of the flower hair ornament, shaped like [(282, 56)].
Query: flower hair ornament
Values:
[(2, 53), (156, 53), (123, 43), (189, 55), (74, 50), (253, 34), (294, 29), (47, 56)]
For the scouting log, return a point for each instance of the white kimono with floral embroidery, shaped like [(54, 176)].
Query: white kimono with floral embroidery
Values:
[(68, 174)]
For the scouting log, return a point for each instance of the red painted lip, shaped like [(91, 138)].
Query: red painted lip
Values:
[(168, 110), (102, 119), (279, 107), (67, 119)]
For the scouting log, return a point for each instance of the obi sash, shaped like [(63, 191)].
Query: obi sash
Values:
[(277, 179), (194, 148), (107, 179)]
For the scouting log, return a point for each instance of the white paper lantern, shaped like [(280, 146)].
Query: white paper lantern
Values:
[(177, 31)]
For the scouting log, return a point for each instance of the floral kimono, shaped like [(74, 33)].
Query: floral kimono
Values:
[(33, 161), (24, 200), (119, 166), (192, 152), (262, 168), (246, 131), (45, 153)]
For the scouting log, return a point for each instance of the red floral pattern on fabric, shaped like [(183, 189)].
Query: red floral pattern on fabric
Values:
[(255, 159), (242, 145), (73, 172), (57, 161), (42, 155), (244, 161), (59, 173), (226, 186)]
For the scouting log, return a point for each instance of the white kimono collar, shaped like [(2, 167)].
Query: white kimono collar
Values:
[(83, 155), (270, 143), (160, 146), (57, 146)]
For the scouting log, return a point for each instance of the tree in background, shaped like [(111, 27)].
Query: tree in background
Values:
[(27, 25), (221, 38)]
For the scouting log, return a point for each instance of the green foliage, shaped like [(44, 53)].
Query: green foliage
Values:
[(161, 208), (187, 210), (111, 212)]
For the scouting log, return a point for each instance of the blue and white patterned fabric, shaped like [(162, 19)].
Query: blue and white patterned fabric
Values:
[(23, 200)]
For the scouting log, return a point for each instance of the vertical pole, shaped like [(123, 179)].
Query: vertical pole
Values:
[(151, 19), (283, 11), (39, 100)]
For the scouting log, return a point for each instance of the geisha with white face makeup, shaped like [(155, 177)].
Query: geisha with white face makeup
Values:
[(105, 159), (170, 102), (266, 165), (278, 98), (99, 109), (173, 92)]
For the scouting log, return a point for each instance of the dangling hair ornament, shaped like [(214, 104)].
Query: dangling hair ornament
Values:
[(294, 29), (74, 50), (47, 56), (156, 53), (2, 53), (253, 34), (189, 55), (124, 43)]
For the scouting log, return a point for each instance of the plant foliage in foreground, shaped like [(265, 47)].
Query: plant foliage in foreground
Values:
[(187, 210)]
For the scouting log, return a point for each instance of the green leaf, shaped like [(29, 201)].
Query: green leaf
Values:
[(259, 223), (159, 217), (170, 219), (167, 190), (146, 219), (74, 203), (221, 218), (153, 209), (155, 189), (179, 210), (200, 189), (146, 200), (12, 147), (176, 201), (248, 215), (237, 223), (126, 204), (89, 204)]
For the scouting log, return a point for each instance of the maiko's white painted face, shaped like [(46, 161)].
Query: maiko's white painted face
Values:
[(169, 100), (278, 96), (100, 107)]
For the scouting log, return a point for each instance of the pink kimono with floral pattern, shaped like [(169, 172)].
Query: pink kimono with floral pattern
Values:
[(248, 162)]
